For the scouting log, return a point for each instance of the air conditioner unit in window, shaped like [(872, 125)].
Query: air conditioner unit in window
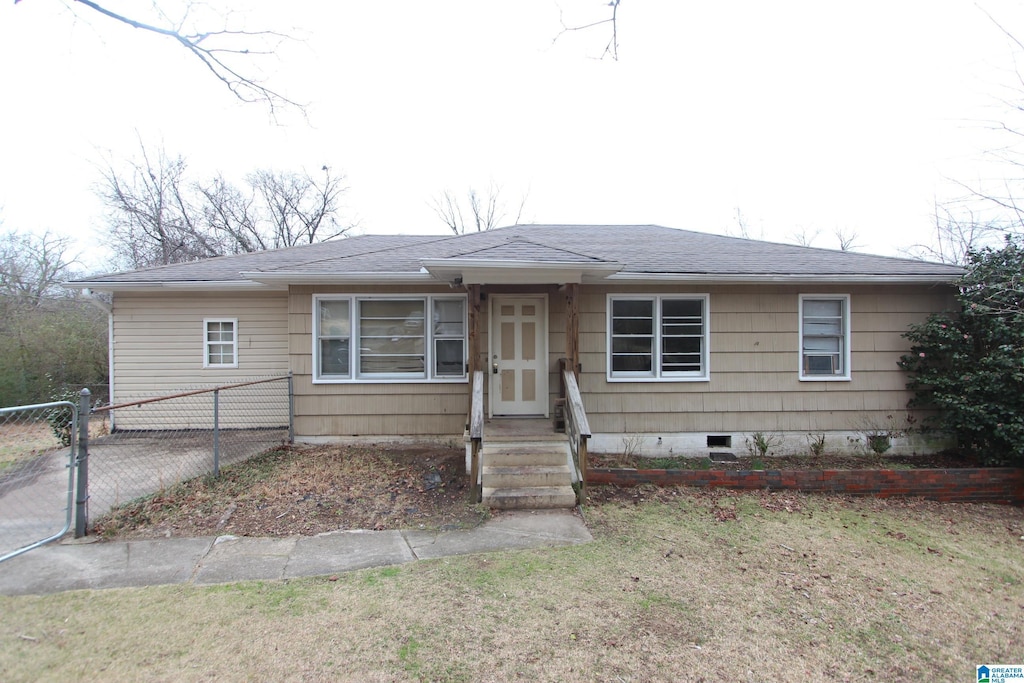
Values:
[(820, 365)]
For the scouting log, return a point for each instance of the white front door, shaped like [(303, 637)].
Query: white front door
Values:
[(519, 368)]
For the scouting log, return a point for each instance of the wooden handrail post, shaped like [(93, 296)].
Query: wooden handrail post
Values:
[(474, 329), (572, 326), (474, 471), (476, 434), (582, 498), (577, 428)]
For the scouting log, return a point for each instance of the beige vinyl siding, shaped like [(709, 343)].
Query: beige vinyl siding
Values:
[(754, 364), (158, 350), (415, 408)]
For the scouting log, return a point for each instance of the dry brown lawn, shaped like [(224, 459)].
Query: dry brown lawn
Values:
[(22, 439), (678, 585)]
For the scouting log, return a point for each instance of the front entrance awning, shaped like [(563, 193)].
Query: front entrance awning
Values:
[(520, 262), (510, 272)]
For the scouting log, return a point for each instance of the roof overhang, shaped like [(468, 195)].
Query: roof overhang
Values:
[(511, 272), (282, 279), (193, 285), (476, 272), (780, 278)]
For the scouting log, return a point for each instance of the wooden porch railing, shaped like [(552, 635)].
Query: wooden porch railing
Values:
[(577, 428), (476, 434)]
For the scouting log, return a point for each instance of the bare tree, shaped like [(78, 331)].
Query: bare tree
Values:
[(230, 54), (301, 208), (847, 239), (49, 339), (959, 226), (477, 212), (158, 215), (611, 22), (231, 212), (805, 236), (151, 218), (33, 266), (957, 234), (742, 228)]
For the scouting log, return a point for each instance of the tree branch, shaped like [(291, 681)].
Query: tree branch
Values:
[(245, 88), (612, 48)]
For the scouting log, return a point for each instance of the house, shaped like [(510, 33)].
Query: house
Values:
[(684, 342)]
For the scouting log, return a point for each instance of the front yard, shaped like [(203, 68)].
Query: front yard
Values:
[(678, 585)]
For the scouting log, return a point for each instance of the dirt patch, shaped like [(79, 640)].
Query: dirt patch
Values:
[(310, 490)]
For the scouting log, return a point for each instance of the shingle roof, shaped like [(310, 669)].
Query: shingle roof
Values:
[(633, 249), (228, 268)]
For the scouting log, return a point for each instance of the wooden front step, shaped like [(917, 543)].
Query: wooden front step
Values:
[(512, 476), (527, 475), (512, 455), (530, 497)]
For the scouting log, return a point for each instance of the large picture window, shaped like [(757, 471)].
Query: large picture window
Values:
[(824, 337), (658, 337), (389, 338)]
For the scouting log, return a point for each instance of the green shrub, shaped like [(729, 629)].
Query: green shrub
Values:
[(968, 366), (60, 418)]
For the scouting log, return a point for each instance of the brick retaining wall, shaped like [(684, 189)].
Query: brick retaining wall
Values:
[(968, 485)]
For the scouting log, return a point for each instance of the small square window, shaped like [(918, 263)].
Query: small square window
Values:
[(220, 343)]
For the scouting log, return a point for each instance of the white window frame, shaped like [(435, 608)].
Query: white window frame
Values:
[(207, 344), (657, 374), (429, 375), (844, 352)]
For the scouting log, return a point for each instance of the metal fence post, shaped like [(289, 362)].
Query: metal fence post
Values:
[(216, 432), (82, 497), (291, 409)]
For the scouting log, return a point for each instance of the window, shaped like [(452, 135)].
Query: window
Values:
[(824, 337), (658, 337), (449, 337), (220, 343), (389, 338), (335, 332)]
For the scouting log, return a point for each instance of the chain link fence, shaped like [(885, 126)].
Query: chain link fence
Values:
[(61, 461), (37, 458), (149, 443)]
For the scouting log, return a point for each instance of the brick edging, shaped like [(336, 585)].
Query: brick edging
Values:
[(968, 485)]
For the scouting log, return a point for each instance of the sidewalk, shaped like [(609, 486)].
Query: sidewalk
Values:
[(74, 565)]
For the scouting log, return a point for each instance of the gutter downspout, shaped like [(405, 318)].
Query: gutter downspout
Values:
[(109, 310)]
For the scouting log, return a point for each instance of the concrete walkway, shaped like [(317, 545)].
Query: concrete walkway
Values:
[(73, 565)]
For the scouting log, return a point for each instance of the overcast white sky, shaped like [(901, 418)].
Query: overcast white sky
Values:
[(804, 116)]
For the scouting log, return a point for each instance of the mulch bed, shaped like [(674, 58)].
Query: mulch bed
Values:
[(307, 491)]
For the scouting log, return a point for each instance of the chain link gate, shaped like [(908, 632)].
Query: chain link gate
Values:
[(46, 450), (37, 474)]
